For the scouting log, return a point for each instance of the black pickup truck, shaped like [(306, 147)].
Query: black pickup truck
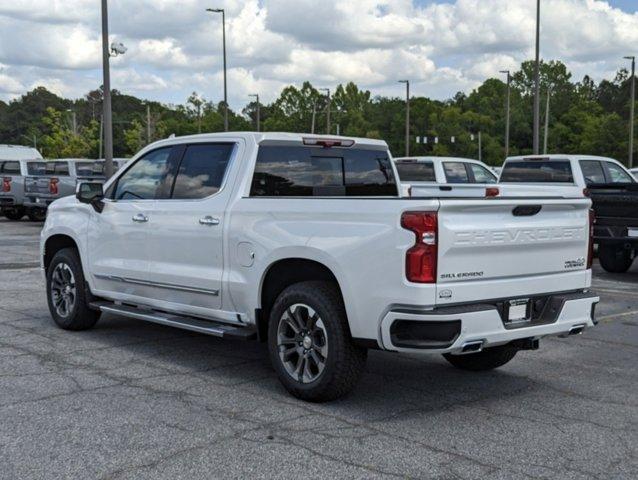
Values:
[(616, 227)]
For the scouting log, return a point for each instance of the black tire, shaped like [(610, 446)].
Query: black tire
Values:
[(37, 214), (79, 316), (488, 359), (14, 214), (344, 361), (614, 258)]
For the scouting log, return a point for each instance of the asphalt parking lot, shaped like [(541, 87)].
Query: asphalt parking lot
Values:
[(135, 400)]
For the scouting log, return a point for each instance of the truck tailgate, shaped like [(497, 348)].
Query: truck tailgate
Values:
[(499, 248), (36, 184)]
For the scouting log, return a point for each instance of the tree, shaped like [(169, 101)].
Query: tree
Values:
[(62, 142)]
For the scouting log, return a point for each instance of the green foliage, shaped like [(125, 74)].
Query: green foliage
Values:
[(584, 117)]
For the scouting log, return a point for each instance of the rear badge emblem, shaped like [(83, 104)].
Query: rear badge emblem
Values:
[(445, 294)]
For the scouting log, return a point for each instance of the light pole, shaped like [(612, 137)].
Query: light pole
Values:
[(546, 135), (256, 96), (148, 122), (106, 108), (74, 122), (537, 95), (631, 110), (407, 116), (328, 108), (507, 113), (314, 115), (223, 12)]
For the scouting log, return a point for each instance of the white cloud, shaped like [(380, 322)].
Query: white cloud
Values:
[(175, 46)]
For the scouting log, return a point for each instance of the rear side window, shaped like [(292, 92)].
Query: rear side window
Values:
[(592, 171), (309, 171), (537, 171), (416, 171), (455, 172), (616, 174), (12, 168), (202, 170), (482, 174), (60, 169)]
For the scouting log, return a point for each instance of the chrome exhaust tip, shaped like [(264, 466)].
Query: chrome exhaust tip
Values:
[(574, 330), (474, 346)]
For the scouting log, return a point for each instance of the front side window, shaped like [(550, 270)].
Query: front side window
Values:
[(592, 171), (537, 171), (455, 172), (12, 168), (308, 171), (416, 171), (202, 170), (617, 174), (145, 178), (482, 174)]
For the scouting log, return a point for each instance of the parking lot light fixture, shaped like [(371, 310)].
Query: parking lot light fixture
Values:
[(407, 116), (632, 107), (537, 83), (223, 12)]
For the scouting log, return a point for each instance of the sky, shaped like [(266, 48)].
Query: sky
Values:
[(174, 46)]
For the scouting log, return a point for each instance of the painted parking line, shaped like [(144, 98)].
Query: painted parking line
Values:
[(614, 316)]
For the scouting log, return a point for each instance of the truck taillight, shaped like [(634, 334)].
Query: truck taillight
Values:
[(6, 184), (420, 259), (53, 186), (590, 250)]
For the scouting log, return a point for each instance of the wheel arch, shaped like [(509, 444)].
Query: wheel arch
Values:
[(282, 273), (54, 244)]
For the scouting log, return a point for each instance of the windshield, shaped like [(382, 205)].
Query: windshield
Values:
[(537, 171)]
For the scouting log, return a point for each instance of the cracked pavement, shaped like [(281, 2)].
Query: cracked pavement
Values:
[(135, 400)]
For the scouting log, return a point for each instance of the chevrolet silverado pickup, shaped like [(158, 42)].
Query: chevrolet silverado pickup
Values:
[(612, 188), (304, 242)]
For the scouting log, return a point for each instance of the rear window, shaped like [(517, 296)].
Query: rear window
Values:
[(48, 168), (537, 171), (416, 171), (89, 169), (10, 168), (319, 172)]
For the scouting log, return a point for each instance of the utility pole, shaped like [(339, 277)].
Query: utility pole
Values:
[(314, 115), (223, 12), (632, 107), (507, 113), (328, 108), (537, 97), (148, 123), (480, 147), (546, 135), (107, 112), (74, 122), (258, 111), (407, 116)]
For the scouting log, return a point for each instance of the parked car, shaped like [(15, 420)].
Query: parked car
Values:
[(13, 169), (50, 180), (612, 188), (415, 170), (305, 242)]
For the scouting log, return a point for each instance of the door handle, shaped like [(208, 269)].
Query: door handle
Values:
[(209, 221), (140, 218)]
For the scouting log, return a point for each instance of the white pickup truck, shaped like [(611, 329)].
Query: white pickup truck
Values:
[(304, 242)]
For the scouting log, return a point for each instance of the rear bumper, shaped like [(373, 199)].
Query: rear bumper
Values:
[(450, 329), (38, 200)]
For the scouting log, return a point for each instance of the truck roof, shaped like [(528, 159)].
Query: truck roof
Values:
[(436, 159), (559, 156), (274, 137), (18, 152)]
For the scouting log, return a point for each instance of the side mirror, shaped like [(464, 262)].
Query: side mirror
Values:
[(91, 193)]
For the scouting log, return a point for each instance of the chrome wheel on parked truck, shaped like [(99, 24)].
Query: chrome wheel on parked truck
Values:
[(310, 343), (62, 289)]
